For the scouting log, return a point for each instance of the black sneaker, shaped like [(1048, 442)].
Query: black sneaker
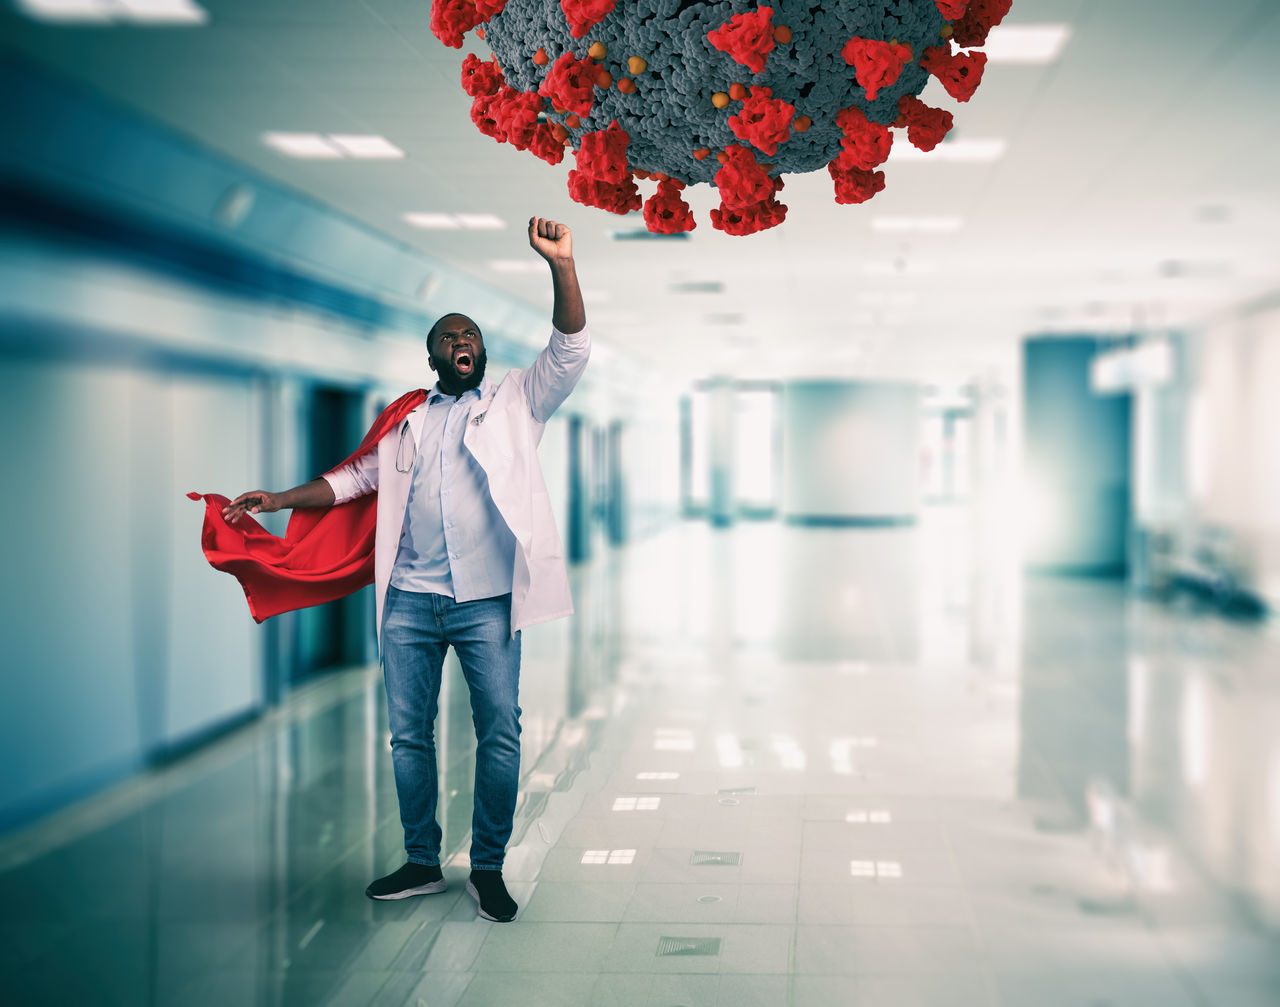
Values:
[(411, 879), (490, 893)]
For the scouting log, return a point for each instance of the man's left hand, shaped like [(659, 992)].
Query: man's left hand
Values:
[(553, 241)]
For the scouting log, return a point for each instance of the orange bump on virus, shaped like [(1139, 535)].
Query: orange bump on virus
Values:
[(856, 67)]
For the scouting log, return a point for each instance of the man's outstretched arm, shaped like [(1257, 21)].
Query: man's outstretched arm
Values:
[(554, 242), (316, 493), (552, 376)]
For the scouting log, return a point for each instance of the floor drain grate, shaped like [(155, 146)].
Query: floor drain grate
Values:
[(705, 947), (737, 791), (715, 858)]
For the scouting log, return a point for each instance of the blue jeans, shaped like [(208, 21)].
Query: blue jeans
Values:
[(417, 630)]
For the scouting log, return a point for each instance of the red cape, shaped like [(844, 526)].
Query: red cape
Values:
[(326, 553)]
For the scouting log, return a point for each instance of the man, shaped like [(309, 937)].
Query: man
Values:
[(466, 553)]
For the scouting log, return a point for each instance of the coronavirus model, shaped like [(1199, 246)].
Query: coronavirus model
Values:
[(684, 91)]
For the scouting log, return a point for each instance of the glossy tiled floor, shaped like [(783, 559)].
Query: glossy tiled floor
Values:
[(769, 766)]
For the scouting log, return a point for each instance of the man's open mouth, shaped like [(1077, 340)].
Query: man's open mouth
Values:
[(463, 361)]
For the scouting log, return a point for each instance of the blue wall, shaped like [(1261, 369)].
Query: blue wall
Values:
[(1076, 461)]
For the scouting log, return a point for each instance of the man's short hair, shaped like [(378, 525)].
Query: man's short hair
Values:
[(436, 324)]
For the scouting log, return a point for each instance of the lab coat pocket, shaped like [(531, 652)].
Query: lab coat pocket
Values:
[(492, 439)]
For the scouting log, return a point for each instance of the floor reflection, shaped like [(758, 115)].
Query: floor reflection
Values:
[(852, 766)]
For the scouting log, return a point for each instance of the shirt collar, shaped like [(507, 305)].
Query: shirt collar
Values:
[(479, 392)]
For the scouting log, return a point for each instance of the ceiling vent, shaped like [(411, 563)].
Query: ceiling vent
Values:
[(640, 234), (688, 947), (715, 858), (697, 287)]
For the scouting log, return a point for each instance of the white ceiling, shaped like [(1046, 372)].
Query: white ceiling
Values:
[(1138, 188)]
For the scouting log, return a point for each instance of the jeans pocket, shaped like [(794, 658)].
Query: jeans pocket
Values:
[(391, 607)]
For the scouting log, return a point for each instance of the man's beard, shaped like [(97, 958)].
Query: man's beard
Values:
[(458, 382)]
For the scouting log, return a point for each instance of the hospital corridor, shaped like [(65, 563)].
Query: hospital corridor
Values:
[(879, 589)]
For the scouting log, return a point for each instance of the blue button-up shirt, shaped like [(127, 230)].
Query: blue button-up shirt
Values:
[(453, 541)]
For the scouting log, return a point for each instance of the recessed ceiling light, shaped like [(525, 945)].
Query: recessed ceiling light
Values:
[(636, 803), (456, 221), (433, 221), (608, 856), (366, 147), (307, 145), (916, 225), (789, 752), (516, 265), (166, 11), (101, 11), (333, 146), (955, 151), (673, 739), (863, 817), (68, 10), (481, 221), (729, 750), (1030, 43)]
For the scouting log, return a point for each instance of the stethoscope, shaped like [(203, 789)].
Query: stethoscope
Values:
[(407, 467), (413, 450)]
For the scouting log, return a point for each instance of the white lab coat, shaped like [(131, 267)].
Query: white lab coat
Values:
[(503, 430)]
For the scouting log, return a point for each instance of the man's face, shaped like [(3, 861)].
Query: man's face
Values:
[(456, 353)]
